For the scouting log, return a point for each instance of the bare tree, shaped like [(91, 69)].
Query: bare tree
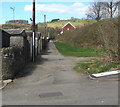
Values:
[(103, 9), (110, 6), (96, 11), (119, 32)]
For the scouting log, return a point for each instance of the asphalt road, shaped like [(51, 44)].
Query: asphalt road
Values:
[(51, 80)]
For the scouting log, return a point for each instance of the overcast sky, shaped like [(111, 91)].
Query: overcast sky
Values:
[(52, 9)]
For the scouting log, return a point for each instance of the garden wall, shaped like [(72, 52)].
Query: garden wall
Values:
[(0, 65), (13, 60)]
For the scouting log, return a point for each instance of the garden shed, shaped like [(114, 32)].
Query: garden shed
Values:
[(4, 39), (18, 38), (30, 40)]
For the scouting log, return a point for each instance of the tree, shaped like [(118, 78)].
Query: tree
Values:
[(110, 6), (99, 9), (95, 11)]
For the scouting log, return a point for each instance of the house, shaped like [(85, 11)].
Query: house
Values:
[(68, 26)]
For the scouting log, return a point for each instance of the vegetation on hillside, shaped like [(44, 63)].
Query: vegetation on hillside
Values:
[(94, 65), (102, 34), (75, 22)]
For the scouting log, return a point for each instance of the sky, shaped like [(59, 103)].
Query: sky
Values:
[(53, 9)]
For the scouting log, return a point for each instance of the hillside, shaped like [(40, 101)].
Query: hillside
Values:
[(55, 24), (102, 34), (76, 22)]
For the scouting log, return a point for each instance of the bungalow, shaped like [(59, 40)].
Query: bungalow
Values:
[(68, 26)]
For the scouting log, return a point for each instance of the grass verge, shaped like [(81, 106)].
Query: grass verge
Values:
[(95, 66), (67, 49)]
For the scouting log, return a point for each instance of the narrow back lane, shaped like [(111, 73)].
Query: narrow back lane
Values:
[(51, 80)]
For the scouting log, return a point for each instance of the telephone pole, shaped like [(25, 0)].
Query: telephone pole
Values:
[(45, 25), (33, 30)]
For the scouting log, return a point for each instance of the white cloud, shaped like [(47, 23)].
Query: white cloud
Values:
[(46, 0), (78, 8), (52, 0), (60, 8), (28, 8), (78, 4), (75, 8)]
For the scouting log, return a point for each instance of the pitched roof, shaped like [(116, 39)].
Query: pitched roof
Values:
[(70, 24), (3, 31), (14, 31)]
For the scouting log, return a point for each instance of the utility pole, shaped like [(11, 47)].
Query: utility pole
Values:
[(13, 8), (33, 30), (45, 25)]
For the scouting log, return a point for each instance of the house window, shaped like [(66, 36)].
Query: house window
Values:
[(68, 29), (61, 32)]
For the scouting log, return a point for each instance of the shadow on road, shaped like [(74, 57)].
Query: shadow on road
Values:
[(31, 66)]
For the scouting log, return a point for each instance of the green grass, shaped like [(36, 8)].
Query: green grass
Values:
[(67, 49), (95, 66), (90, 66)]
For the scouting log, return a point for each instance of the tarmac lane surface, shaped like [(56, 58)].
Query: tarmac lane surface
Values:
[(51, 80)]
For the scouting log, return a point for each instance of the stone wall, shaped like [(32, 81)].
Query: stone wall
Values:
[(13, 61), (21, 41), (0, 65), (14, 58), (4, 39)]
